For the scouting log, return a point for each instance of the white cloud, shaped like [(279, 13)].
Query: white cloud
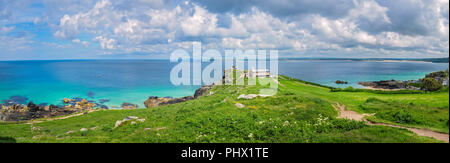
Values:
[(200, 23), (370, 10), (154, 25), (78, 41), (341, 30), (153, 3), (437, 16), (106, 43), (101, 16), (6, 29)]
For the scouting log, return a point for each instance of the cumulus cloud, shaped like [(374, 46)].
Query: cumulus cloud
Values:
[(350, 31), (106, 43), (295, 27)]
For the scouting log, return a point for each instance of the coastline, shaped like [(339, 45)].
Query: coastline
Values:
[(201, 111), (393, 61), (39, 84), (417, 60)]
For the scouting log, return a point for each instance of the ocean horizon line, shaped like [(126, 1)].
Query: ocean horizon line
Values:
[(281, 58)]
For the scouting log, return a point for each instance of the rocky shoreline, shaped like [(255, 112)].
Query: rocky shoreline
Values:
[(154, 101), (389, 84), (14, 109), (21, 112), (440, 76)]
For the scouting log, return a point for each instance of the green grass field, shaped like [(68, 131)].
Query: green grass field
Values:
[(299, 113)]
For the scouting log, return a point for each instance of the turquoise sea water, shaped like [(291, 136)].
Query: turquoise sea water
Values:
[(133, 81), (116, 81)]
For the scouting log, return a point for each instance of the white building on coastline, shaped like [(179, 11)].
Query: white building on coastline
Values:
[(258, 73)]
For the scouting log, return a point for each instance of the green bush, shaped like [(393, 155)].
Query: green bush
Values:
[(418, 85), (403, 116), (430, 85), (407, 113)]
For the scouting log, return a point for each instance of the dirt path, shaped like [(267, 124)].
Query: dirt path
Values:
[(347, 114), (65, 117)]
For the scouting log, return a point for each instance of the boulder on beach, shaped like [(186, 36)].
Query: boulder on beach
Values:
[(83, 104)]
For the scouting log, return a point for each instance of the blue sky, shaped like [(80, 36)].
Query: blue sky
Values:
[(143, 29)]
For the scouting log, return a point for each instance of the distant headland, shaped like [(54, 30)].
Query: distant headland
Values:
[(433, 60)]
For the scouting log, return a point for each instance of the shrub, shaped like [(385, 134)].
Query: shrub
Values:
[(350, 89), (403, 116), (336, 89), (418, 85), (373, 99), (430, 84)]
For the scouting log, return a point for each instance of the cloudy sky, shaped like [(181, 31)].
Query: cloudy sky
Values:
[(85, 29)]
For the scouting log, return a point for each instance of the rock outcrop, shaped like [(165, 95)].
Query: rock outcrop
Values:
[(341, 82), (154, 101), (387, 84), (129, 106), (201, 91), (239, 105), (20, 112), (131, 119), (440, 76), (251, 96)]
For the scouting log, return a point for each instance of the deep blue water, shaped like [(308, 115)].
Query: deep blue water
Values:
[(118, 81)]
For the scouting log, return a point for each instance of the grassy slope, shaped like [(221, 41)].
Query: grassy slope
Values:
[(298, 113), (431, 107)]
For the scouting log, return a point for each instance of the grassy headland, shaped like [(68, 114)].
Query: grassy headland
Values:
[(300, 112)]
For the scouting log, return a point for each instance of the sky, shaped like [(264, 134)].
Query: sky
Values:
[(145, 29)]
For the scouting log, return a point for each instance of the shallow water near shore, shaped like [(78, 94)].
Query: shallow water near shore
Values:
[(133, 81)]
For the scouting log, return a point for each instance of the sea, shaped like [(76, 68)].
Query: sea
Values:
[(113, 82)]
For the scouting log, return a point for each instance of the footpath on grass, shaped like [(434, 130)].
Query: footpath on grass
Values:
[(347, 114)]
